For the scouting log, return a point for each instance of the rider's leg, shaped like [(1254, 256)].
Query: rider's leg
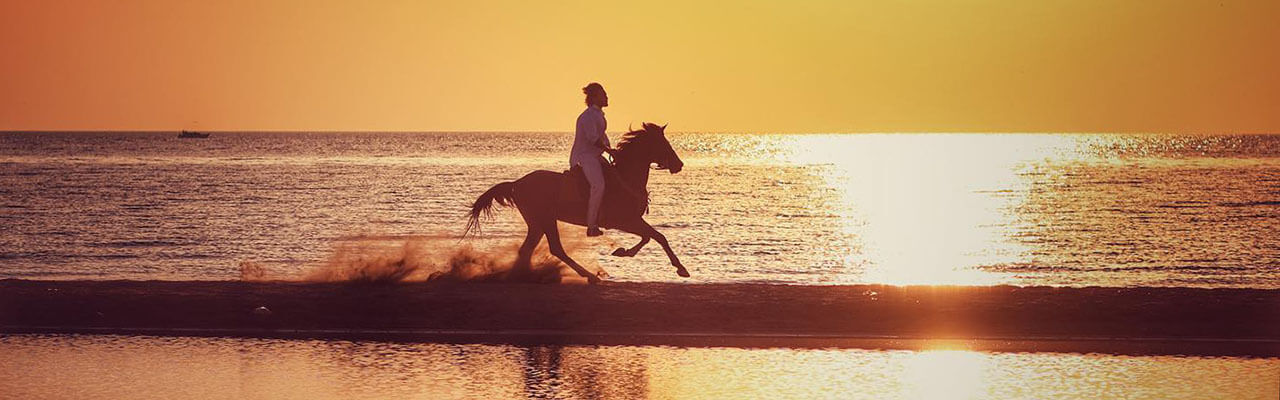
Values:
[(595, 179)]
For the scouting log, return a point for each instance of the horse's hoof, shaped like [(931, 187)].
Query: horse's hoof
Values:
[(591, 279), (621, 252), (684, 273), (602, 274)]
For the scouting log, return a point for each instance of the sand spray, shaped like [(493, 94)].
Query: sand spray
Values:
[(371, 258)]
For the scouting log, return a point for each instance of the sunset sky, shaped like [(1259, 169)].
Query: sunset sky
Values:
[(751, 66)]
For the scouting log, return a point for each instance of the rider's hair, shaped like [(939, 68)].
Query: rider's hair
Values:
[(592, 87)]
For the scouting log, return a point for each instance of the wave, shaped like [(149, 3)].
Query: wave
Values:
[(137, 243), (1252, 203), (1042, 268)]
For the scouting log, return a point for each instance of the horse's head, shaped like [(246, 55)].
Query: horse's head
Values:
[(650, 145)]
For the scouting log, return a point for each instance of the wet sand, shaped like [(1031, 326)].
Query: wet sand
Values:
[(1113, 320)]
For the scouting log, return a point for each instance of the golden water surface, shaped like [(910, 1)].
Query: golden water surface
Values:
[(141, 367)]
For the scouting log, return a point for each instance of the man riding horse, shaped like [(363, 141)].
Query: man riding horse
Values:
[(545, 197)]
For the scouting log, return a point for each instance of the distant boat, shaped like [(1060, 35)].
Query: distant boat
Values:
[(193, 135)]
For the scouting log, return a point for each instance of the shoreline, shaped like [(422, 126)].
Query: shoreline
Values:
[(1243, 322), (1265, 348)]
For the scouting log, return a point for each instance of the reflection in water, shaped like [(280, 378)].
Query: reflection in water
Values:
[(109, 367), (575, 372), (542, 373), (1048, 209), (927, 222), (945, 374)]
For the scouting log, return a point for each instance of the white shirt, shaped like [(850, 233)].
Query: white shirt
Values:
[(586, 141)]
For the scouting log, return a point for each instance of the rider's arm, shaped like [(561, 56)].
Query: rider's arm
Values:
[(604, 145), (602, 140)]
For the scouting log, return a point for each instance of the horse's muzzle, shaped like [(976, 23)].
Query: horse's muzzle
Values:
[(673, 167)]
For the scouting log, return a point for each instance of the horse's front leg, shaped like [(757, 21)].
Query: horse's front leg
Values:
[(646, 231), (675, 262), (621, 252)]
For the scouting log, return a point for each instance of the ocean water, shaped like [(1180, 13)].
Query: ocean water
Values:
[(144, 367), (980, 209)]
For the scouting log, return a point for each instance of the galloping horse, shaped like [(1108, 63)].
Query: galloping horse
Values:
[(542, 200)]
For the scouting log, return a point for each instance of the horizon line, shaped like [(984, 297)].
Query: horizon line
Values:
[(731, 132)]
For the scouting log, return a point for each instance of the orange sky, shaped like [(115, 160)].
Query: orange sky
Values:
[(812, 66)]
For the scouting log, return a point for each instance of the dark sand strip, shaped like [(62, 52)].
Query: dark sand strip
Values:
[(1120, 346), (1001, 318)]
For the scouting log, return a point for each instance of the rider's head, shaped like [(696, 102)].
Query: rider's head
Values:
[(596, 95)]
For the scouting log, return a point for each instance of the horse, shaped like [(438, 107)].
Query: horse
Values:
[(541, 199)]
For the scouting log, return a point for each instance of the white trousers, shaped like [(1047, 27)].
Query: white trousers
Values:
[(594, 170)]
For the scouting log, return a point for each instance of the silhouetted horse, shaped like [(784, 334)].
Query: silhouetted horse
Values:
[(543, 197)]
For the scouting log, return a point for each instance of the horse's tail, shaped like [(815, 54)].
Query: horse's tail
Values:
[(502, 193)]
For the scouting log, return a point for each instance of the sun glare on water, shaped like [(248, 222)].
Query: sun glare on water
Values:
[(926, 209), (944, 374)]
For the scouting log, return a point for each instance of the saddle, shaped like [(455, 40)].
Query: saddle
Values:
[(576, 190)]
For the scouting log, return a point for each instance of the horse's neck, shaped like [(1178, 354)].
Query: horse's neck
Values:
[(635, 172)]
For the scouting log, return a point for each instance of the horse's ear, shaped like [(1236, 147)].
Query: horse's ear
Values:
[(664, 126)]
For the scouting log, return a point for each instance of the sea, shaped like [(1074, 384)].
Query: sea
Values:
[(1070, 210), (1119, 210)]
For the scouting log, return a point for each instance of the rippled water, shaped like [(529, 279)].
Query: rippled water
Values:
[(1130, 210), (140, 367)]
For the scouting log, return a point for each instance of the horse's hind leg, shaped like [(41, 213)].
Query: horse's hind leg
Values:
[(524, 258), (557, 249)]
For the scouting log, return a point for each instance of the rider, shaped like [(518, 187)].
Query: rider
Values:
[(589, 141)]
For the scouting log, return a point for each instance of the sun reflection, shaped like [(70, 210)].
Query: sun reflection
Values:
[(929, 209), (945, 374)]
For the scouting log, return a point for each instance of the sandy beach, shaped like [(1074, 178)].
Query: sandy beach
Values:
[(1115, 320)]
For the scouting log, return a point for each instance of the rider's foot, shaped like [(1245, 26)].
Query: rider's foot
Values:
[(593, 232)]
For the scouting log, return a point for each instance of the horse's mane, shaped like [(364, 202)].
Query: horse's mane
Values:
[(635, 140), (637, 137)]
